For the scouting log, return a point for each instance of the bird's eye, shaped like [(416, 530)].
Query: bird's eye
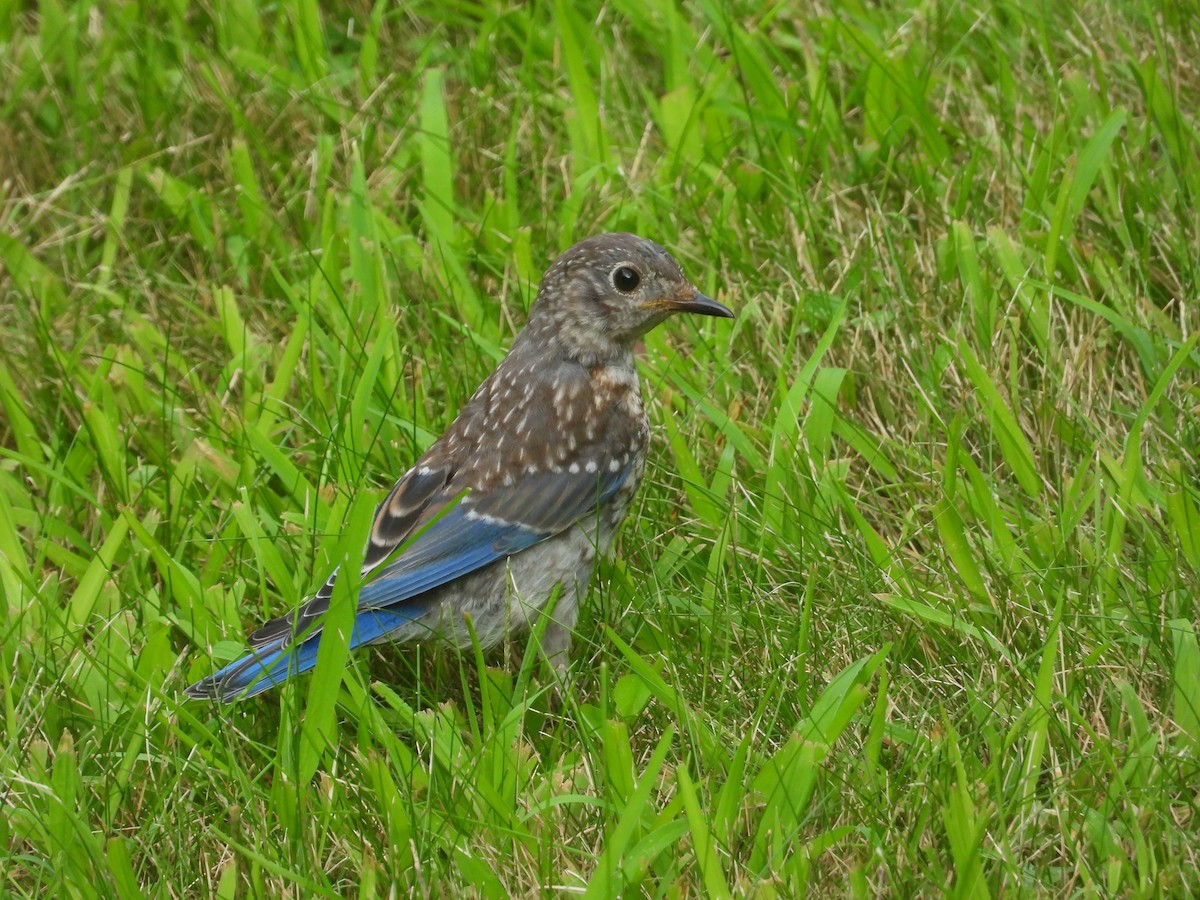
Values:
[(626, 279)]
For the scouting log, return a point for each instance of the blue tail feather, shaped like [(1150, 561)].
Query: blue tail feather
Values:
[(276, 663)]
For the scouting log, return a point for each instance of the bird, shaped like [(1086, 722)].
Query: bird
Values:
[(513, 504)]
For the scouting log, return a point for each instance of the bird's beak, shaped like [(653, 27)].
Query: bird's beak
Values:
[(699, 304)]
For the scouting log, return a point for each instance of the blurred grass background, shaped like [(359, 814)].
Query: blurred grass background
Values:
[(909, 602)]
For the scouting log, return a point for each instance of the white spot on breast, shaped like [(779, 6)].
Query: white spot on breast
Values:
[(614, 466), (574, 468), (591, 466)]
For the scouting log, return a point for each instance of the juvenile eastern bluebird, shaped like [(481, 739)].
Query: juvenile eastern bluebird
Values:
[(526, 486)]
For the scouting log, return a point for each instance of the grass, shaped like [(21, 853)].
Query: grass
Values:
[(909, 600)]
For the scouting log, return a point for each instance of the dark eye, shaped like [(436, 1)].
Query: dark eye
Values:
[(626, 279)]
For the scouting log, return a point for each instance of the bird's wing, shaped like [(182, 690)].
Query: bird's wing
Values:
[(487, 526), (448, 531)]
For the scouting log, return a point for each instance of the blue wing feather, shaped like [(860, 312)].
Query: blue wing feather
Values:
[(454, 546)]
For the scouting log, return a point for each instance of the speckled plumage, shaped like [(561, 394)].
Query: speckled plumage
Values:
[(527, 485)]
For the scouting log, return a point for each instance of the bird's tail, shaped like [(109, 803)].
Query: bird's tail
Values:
[(278, 661)]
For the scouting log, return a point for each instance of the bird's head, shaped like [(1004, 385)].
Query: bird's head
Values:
[(607, 291)]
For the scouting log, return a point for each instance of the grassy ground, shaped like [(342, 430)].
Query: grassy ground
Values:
[(910, 599)]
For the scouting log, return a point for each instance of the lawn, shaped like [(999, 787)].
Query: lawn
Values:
[(908, 602)]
